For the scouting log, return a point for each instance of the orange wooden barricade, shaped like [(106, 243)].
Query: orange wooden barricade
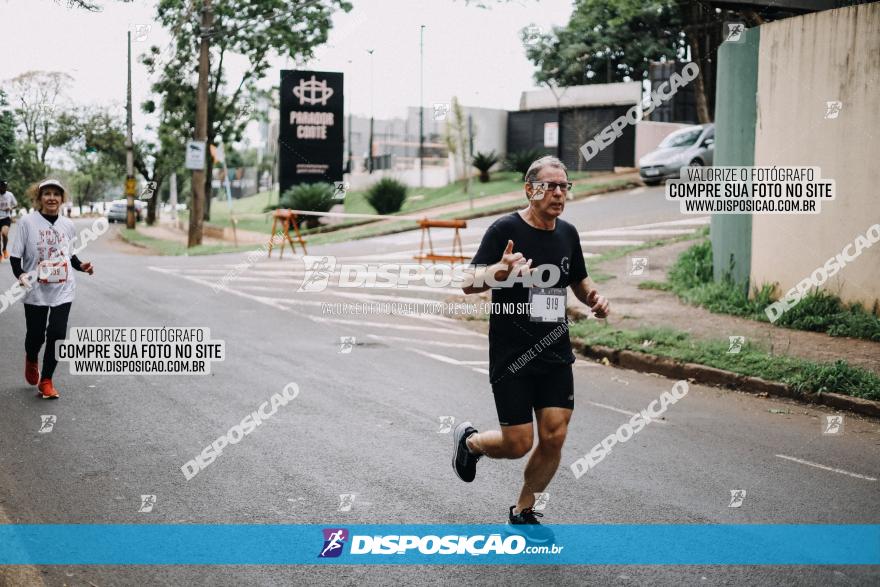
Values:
[(457, 253), (286, 218)]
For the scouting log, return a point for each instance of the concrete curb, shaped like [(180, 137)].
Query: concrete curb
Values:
[(646, 363)]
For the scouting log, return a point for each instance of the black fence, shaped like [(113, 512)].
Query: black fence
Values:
[(525, 131)]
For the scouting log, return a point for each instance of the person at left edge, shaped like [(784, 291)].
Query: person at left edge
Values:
[(8, 203)]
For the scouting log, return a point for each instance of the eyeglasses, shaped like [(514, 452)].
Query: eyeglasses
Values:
[(551, 186)]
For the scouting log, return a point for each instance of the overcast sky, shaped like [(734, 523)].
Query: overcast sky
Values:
[(473, 53)]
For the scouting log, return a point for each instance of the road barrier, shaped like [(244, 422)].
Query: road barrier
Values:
[(427, 225), (286, 218)]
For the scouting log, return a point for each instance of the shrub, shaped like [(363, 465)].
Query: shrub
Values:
[(317, 197), (693, 267), (818, 311), (484, 162), (521, 160), (387, 195)]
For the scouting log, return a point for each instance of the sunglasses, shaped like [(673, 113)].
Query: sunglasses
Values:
[(551, 186)]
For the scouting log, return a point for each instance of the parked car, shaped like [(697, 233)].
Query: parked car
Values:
[(118, 211), (693, 146)]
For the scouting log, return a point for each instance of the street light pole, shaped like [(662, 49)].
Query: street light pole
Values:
[(421, 106), (370, 152), (129, 151), (197, 207)]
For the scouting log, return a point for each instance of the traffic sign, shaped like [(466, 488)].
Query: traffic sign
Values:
[(130, 186), (195, 155)]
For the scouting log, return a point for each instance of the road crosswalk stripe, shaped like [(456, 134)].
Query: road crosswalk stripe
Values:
[(457, 345)]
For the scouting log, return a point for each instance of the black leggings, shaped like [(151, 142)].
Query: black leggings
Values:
[(38, 332)]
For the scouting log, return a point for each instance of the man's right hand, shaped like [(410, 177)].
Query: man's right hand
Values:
[(24, 280), (511, 263)]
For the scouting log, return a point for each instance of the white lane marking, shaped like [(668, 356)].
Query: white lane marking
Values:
[(826, 468), (645, 232), (621, 411), (381, 298), (478, 370), (436, 357), (381, 325), (275, 304), (408, 255), (644, 228), (610, 243), (455, 345), (265, 280), (450, 360)]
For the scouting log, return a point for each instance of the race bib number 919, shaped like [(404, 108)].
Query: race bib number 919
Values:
[(547, 304)]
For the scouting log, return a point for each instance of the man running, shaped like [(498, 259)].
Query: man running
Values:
[(529, 349), (8, 204)]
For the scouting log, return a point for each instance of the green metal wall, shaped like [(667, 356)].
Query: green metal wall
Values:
[(735, 118)]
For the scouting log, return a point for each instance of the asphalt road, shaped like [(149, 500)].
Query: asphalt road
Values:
[(366, 423)]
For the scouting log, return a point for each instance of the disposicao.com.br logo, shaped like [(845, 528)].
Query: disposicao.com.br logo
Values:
[(480, 544)]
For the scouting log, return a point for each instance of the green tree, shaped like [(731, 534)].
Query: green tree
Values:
[(458, 141), (95, 173), (26, 169), (7, 136), (97, 130), (254, 29), (36, 96), (609, 41), (616, 40)]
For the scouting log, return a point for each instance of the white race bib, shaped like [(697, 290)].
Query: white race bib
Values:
[(547, 304), (52, 271)]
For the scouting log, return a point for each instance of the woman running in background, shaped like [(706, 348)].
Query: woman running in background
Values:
[(42, 263)]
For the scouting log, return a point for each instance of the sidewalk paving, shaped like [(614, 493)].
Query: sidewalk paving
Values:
[(633, 308)]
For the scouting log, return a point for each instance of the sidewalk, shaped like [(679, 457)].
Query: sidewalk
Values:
[(633, 308)]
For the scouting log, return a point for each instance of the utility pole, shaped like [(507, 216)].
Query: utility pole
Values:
[(422, 106), (197, 206), (370, 150), (130, 184), (350, 149)]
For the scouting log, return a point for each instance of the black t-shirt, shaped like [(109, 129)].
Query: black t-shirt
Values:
[(514, 340)]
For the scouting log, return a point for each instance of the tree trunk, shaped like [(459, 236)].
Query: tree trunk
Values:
[(693, 34), (154, 201), (209, 178)]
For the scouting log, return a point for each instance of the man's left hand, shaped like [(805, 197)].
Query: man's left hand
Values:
[(598, 304)]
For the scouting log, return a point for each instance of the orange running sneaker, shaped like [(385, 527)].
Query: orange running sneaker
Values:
[(48, 390), (31, 371)]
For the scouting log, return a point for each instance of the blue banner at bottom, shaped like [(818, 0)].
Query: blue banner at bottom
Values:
[(649, 544)]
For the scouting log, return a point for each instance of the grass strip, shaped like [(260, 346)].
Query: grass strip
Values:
[(803, 375)]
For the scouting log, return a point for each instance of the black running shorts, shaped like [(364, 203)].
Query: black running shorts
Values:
[(5, 222), (517, 396)]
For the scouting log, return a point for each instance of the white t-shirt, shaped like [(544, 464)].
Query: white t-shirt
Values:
[(7, 204), (45, 250)]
